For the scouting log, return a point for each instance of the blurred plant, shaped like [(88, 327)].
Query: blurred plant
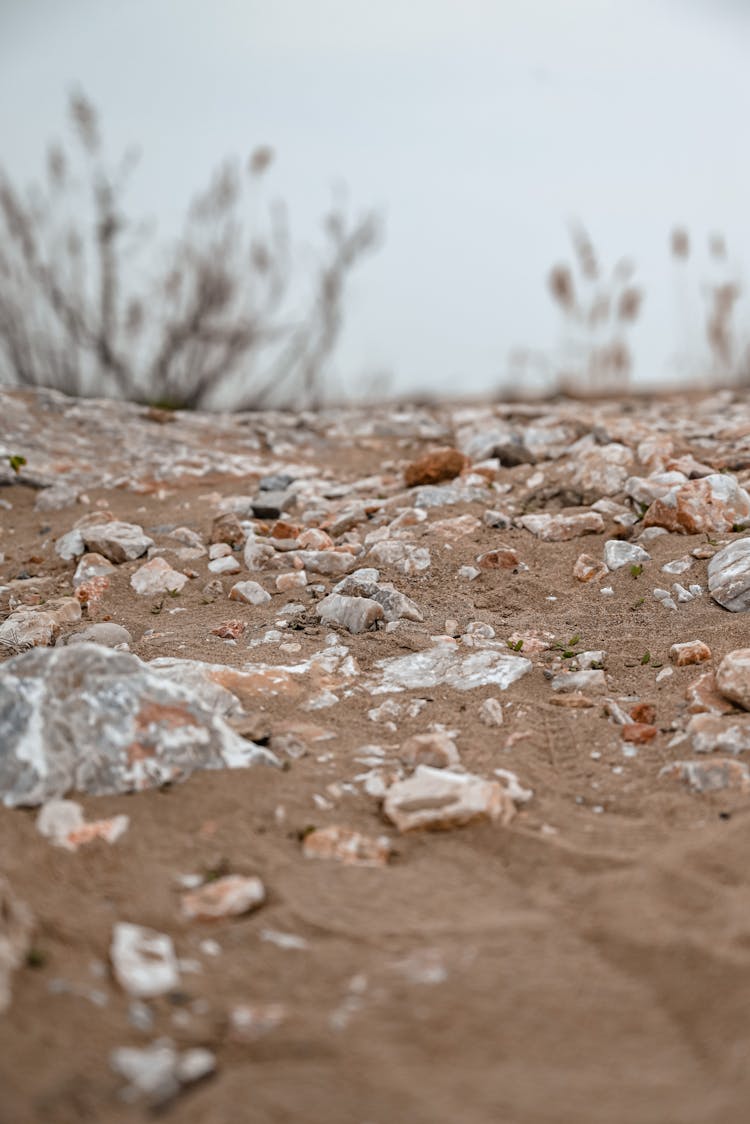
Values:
[(598, 311), (213, 325), (729, 351)]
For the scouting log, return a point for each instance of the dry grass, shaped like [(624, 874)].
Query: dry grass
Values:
[(599, 310), (84, 309)]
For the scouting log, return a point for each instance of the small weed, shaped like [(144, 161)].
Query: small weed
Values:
[(515, 645), (646, 657), (636, 570), (16, 462), (36, 958), (307, 830), (738, 528), (637, 603), (574, 640), (173, 592)]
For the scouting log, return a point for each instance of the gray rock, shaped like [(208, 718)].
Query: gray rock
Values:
[(272, 505), (446, 663), (618, 553), (106, 633), (357, 614), (279, 482), (56, 498), (130, 729), (120, 542), (396, 606), (729, 576)]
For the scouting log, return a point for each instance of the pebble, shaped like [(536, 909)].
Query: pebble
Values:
[(437, 799), (435, 467), (710, 776), (618, 553), (733, 677), (107, 633), (729, 576), (709, 732), (356, 614), (437, 749), (63, 823), (592, 681), (92, 566), (562, 527), (230, 896), (250, 593), (588, 569), (119, 542), (155, 577), (156, 1073), (31, 626), (143, 961), (446, 664), (225, 565), (689, 652), (344, 845), (491, 712)]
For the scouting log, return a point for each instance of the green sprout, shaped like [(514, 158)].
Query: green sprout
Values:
[(16, 462)]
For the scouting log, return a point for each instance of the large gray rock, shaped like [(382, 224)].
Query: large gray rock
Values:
[(729, 576), (120, 542), (99, 721)]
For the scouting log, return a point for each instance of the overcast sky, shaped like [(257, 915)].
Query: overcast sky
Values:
[(478, 128)]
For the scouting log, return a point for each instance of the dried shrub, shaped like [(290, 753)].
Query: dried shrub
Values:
[(598, 310), (214, 323)]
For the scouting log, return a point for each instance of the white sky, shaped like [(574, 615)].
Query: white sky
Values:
[(477, 127)]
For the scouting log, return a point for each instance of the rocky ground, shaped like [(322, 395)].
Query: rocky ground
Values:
[(377, 765)]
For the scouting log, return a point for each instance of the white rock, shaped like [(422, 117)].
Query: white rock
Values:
[(157, 576), (729, 576), (63, 823), (491, 713), (143, 961), (733, 677), (229, 896), (595, 681), (356, 614), (225, 565), (120, 542), (618, 553), (251, 593), (446, 663), (440, 799)]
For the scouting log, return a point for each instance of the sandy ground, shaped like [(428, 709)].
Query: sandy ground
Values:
[(589, 963)]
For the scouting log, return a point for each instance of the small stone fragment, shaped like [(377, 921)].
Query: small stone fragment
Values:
[(704, 698), (595, 681), (119, 542), (155, 577), (588, 569), (296, 580), (618, 553), (228, 529), (356, 614), (563, 526), (638, 733), (107, 633), (710, 776), (251, 593), (501, 558), (491, 712), (437, 799), (729, 576), (346, 846), (435, 467), (226, 565), (230, 630), (31, 626), (733, 677), (92, 566), (143, 961), (691, 651), (709, 732), (436, 749), (63, 823), (230, 896)]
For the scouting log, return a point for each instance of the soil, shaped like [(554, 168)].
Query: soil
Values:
[(590, 962)]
